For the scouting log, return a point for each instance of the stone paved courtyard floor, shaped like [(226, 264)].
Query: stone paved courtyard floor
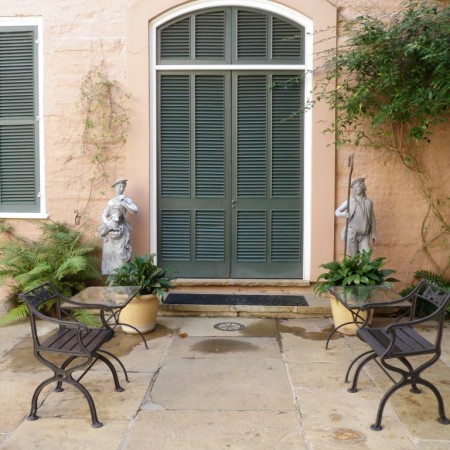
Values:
[(269, 385)]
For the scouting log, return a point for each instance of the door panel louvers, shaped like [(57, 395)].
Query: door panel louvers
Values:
[(287, 40), (18, 121), (251, 236), (175, 235), (252, 136), (210, 236), (210, 136), (286, 137), (210, 35), (285, 233), (175, 136), (251, 35), (175, 40)]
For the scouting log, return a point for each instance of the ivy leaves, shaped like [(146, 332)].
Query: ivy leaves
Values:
[(391, 70)]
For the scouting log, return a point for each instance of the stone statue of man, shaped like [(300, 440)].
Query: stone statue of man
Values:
[(116, 230), (361, 219)]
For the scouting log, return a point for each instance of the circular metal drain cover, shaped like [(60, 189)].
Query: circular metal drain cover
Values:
[(229, 326)]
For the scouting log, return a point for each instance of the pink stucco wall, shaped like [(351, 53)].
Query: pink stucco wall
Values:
[(79, 34)]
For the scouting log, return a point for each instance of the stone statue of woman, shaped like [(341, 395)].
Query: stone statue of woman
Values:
[(116, 230), (361, 219)]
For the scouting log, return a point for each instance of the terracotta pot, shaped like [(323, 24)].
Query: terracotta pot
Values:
[(342, 315), (141, 313)]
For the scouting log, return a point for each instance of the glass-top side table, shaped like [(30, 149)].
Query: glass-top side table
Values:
[(110, 300), (365, 298), (106, 296)]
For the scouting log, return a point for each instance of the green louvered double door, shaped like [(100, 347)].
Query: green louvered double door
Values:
[(230, 174)]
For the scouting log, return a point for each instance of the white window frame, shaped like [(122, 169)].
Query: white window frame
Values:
[(265, 6), (37, 22)]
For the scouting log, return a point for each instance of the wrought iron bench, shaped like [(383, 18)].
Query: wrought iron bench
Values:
[(79, 345), (403, 341)]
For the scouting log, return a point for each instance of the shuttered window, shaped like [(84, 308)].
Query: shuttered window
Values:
[(19, 180)]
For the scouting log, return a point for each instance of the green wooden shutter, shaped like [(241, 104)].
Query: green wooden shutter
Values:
[(174, 40), (19, 180), (210, 35), (252, 129), (268, 172), (287, 136), (252, 40), (288, 41), (175, 135), (192, 172)]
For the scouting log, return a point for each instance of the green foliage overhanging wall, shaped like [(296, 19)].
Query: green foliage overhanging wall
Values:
[(389, 84)]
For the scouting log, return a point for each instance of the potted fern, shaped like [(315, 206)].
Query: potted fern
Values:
[(154, 281), (357, 270)]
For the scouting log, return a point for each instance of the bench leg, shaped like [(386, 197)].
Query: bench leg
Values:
[(34, 407), (354, 387), (377, 425), (88, 396), (442, 417), (118, 362), (119, 388), (79, 386), (347, 375)]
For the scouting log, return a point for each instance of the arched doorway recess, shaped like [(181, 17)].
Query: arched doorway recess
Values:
[(232, 160)]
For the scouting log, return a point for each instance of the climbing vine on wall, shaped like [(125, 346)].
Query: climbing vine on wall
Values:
[(389, 85), (105, 120)]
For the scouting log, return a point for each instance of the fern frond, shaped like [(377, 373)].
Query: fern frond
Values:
[(71, 266), (87, 318), (433, 277), (15, 314)]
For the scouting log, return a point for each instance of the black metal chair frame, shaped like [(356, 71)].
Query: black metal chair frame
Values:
[(400, 341), (79, 344)]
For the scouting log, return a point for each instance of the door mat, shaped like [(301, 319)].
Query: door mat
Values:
[(234, 299)]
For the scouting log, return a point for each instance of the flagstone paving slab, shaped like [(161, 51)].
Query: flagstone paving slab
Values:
[(212, 430), (333, 419), (65, 434), (210, 384), (324, 374)]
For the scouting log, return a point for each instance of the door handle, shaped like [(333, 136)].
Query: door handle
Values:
[(233, 202)]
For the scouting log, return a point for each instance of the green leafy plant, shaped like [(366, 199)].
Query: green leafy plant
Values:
[(393, 68), (389, 85), (58, 255), (357, 270), (142, 271)]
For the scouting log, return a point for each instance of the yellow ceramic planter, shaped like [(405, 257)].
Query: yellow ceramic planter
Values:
[(342, 315), (141, 313)]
